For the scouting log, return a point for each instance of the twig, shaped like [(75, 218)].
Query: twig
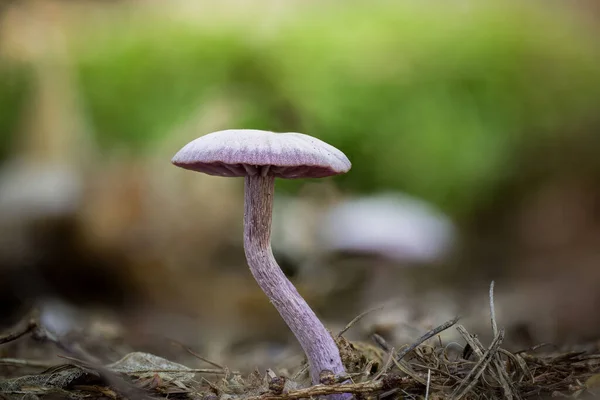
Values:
[(198, 356), (471, 379), (509, 390), (387, 364), (520, 363), (148, 371), (381, 342), (179, 371), (427, 336), (404, 367), (503, 377), (500, 373), (566, 357), (31, 325), (16, 362), (300, 372), (324, 390), (428, 384), (535, 348), (398, 360), (358, 318), (437, 370), (214, 387), (493, 310)]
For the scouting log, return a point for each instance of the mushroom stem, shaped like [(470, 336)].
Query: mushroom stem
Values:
[(316, 341)]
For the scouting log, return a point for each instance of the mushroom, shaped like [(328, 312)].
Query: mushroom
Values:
[(260, 157), (395, 226), (393, 243)]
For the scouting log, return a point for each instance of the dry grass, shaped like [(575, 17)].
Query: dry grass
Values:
[(426, 369)]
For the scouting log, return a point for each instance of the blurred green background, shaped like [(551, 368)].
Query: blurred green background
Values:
[(444, 102)]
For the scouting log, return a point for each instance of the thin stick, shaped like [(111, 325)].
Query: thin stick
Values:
[(503, 378), (381, 342), (21, 332), (428, 384), (191, 371), (387, 364), (146, 371), (358, 318), (323, 390), (427, 336), (407, 369), (500, 372), (198, 356), (471, 379), (214, 387), (17, 362), (300, 372), (493, 310)]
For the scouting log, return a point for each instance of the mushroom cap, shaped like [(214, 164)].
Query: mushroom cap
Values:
[(393, 225), (243, 152)]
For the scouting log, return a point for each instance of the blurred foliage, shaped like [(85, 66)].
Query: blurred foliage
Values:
[(15, 85), (440, 102), (139, 81)]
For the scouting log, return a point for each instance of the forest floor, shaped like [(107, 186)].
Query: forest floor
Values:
[(427, 368)]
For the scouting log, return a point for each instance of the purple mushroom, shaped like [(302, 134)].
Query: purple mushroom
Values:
[(260, 157)]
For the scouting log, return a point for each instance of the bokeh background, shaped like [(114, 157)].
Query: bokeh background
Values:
[(473, 129)]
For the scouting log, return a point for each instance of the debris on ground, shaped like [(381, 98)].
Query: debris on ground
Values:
[(427, 369)]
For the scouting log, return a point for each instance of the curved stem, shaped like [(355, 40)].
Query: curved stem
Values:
[(316, 341)]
